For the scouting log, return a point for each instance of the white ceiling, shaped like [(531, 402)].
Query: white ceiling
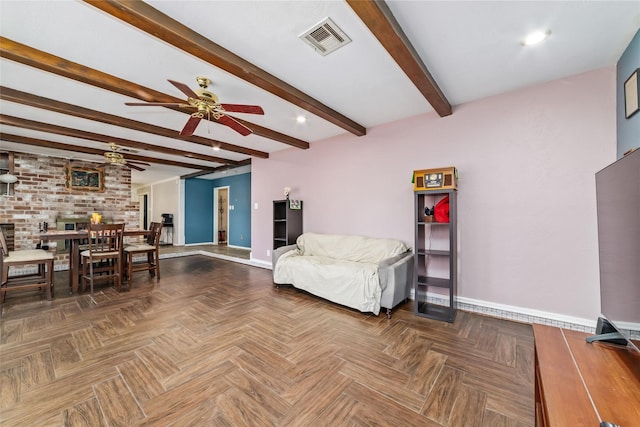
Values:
[(472, 50)]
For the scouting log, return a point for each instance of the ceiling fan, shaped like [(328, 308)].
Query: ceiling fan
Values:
[(206, 105), (114, 157)]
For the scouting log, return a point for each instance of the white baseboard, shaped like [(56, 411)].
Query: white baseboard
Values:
[(213, 243), (261, 264), (239, 247), (251, 262), (501, 311), (518, 314)]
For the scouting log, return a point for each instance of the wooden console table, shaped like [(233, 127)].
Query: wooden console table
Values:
[(581, 384)]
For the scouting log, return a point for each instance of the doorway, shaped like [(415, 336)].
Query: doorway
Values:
[(143, 199), (220, 215)]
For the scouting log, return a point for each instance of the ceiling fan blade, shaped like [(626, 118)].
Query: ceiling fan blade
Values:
[(184, 89), (132, 166), (156, 104), (191, 126), (235, 125), (239, 108), (103, 165), (135, 162)]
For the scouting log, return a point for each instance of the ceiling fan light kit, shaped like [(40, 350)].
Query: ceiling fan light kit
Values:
[(114, 157), (206, 105)]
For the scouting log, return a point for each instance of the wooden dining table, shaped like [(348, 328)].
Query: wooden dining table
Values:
[(75, 237)]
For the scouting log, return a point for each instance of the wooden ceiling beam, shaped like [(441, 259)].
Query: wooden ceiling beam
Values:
[(24, 98), (74, 133), (87, 150), (150, 20), (27, 55), (218, 169), (377, 16)]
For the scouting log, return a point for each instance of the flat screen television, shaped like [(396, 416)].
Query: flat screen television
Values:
[(618, 210)]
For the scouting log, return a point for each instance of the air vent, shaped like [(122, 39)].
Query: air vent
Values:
[(325, 37)]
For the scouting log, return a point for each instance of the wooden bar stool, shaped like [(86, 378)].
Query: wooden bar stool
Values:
[(28, 257)]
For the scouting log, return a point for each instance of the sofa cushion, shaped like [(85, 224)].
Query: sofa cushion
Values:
[(349, 248)]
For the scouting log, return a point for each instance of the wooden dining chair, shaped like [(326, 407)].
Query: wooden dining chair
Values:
[(83, 244), (150, 248), (103, 259), (80, 226), (40, 258)]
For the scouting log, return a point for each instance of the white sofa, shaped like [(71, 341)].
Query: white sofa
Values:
[(363, 273)]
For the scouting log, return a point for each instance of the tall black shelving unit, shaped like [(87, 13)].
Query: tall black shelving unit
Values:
[(287, 222), (435, 257)]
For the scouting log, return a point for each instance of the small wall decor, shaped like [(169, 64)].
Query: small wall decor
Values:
[(84, 179), (631, 94), (294, 204)]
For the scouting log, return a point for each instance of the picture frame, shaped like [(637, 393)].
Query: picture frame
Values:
[(84, 179), (294, 204), (631, 94)]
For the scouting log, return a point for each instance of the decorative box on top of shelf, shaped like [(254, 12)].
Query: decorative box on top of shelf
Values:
[(435, 255), (435, 179)]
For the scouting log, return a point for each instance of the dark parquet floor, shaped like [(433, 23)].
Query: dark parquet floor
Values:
[(214, 343)]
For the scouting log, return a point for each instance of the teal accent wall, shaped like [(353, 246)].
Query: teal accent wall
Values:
[(239, 233), (628, 130), (198, 211), (198, 226)]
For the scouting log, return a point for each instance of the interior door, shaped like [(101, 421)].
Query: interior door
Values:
[(221, 215), (144, 211)]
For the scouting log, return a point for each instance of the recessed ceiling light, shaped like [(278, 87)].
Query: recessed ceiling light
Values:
[(301, 119), (216, 148), (535, 38)]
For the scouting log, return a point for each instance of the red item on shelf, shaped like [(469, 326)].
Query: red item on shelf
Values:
[(441, 210)]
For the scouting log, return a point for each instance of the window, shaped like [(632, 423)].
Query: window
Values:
[(6, 168)]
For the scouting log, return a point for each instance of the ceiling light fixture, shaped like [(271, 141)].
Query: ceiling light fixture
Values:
[(216, 148), (114, 158), (536, 37), (301, 119)]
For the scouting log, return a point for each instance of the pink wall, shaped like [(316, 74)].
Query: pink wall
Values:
[(527, 222)]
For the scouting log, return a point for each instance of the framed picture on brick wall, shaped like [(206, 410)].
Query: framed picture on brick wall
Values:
[(84, 179)]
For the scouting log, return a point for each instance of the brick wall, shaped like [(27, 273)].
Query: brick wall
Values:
[(41, 195)]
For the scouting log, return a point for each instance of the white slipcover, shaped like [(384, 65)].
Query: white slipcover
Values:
[(339, 268)]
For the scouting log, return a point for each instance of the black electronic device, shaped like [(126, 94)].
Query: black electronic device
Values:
[(167, 219)]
